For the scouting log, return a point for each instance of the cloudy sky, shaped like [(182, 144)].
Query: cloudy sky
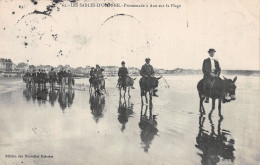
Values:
[(171, 37)]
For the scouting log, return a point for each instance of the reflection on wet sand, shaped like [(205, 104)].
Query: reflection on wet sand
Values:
[(53, 96), (97, 105), (66, 98), (125, 110), (27, 93), (42, 95), (214, 145), (148, 126)]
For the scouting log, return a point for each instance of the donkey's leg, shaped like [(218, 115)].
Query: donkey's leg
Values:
[(142, 98), (213, 103), (124, 92), (146, 100), (151, 96), (219, 109), (128, 90), (202, 110), (213, 106)]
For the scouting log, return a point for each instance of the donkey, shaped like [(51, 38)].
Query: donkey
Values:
[(223, 90), (99, 86), (148, 86), (129, 83)]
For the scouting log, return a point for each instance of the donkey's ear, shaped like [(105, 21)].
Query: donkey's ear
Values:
[(235, 79)]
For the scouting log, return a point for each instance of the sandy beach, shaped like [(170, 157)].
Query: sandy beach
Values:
[(61, 127)]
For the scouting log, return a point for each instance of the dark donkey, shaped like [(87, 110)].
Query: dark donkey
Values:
[(129, 83), (148, 86), (223, 90)]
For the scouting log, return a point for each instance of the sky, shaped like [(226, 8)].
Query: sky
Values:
[(172, 37)]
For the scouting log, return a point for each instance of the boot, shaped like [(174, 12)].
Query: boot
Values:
[(154, 93), (207, 100)]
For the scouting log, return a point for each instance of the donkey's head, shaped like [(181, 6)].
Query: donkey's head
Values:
[(155, 82), (230, 88)]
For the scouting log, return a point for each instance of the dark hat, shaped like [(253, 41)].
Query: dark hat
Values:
[(123, 62), (212, 50), (92, 67), (147, 59)]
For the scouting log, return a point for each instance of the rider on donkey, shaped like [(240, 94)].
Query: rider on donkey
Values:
[(122, 74), (27, 76), (34, 76), (44, 78), (71, 80), (147, 73), (52, 76), (39, 75), (98, 72), (99, 77), (211, 70), (91, 72)]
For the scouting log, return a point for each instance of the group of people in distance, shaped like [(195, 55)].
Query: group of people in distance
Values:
[(147, 73), (96, 73), (41, 77), (211, 70)]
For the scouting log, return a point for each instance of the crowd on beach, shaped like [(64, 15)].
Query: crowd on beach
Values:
[(41, 77)]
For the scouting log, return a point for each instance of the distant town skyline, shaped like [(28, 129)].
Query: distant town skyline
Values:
[(118, 66), (171, 37)]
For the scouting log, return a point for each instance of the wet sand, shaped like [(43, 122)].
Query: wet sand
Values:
[(77, 128)]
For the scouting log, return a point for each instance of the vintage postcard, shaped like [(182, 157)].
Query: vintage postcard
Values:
[(129, 82)]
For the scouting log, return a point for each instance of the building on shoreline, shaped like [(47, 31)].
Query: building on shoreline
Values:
[(22, 67), (5, 65)]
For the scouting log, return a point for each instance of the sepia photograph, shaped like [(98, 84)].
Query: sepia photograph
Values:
[(129, 82)]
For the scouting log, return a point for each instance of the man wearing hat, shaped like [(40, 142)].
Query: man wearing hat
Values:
[(147, 73), (122, 73), (211, 70)]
